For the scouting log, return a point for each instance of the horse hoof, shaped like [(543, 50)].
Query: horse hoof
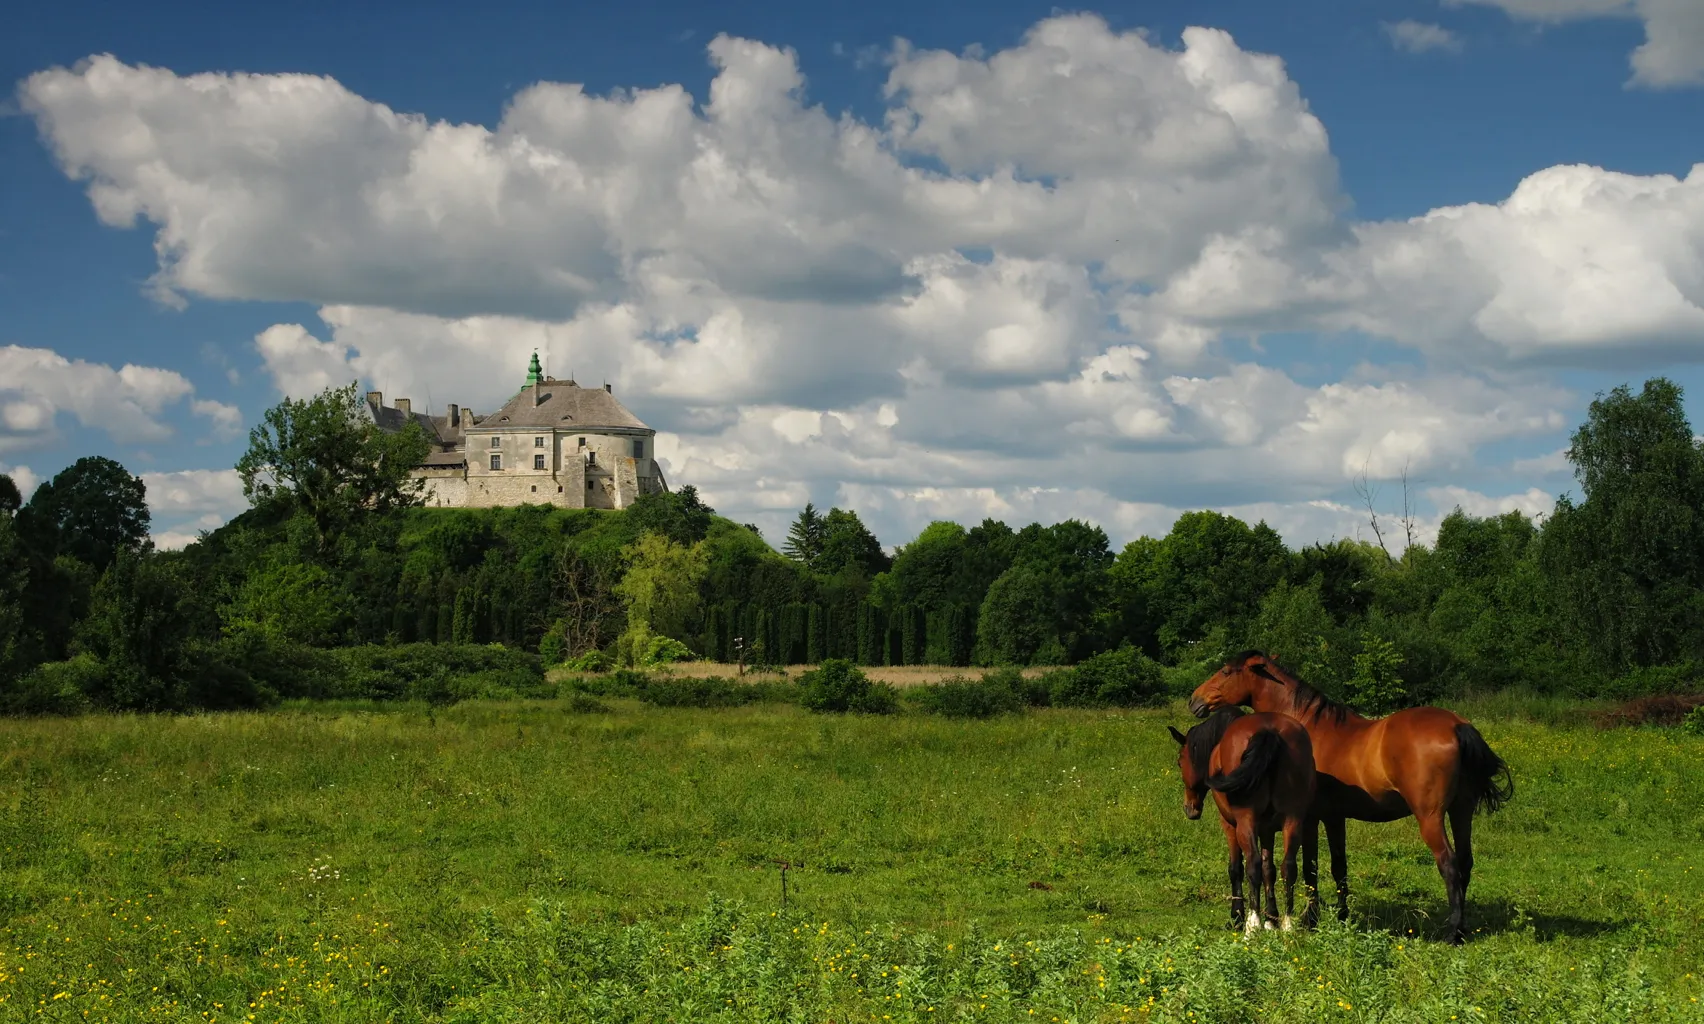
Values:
[(1289, 925)]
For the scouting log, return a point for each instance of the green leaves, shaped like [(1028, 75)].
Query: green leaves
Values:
[(324, 457), (90, 511)]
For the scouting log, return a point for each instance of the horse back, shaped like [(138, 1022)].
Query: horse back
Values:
[(1402, 761), (1287, 783)]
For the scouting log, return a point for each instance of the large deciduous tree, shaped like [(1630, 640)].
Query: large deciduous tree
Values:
[(324, 457), (1628, 560), (681, 515), (90, 511)]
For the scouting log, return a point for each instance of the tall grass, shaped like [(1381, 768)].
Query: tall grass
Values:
[(524, 860)]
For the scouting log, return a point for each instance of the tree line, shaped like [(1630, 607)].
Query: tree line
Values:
[(1603, 596)]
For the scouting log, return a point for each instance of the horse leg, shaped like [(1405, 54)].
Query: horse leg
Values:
[(1250, 843), (1235, 870), (1269, 866), (1310, 871), (1339, 865), (1292, 834), (1461, 830), (1432, 831)]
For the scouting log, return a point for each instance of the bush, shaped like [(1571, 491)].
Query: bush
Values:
[(1376, 687), (591, 661), (1122, 678), (1693, 723), (713, 692), (838, 686), (963, 698), (666, 650), (623, 682), (585, 704), (56, 688), (552, 646), (437, 673), (1651, 681)]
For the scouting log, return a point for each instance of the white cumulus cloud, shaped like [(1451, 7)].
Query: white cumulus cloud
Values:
[(1015, 290), (1421, 37), (1672, 55), (36, 384)]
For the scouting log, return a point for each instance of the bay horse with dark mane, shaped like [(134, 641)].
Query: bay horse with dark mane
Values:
[(1260, 770), (1427, 762)]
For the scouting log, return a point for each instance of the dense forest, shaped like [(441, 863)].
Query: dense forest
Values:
[(335, 573)]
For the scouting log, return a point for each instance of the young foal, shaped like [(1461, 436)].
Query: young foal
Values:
[(1261, 771)]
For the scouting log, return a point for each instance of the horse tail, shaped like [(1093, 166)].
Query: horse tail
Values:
[(1482, 773), (1256, 764)]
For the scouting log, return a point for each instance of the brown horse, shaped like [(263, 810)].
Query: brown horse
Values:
[(1427, 762), (1261, 771)]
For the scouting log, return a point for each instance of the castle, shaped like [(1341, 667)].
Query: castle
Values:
[(554, 443)]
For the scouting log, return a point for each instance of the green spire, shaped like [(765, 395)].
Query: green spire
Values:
[(534, 373)]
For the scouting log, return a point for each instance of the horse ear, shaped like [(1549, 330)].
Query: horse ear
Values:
[(1180, 737), (1259, 668)]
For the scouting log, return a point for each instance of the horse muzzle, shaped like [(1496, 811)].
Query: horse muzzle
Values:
[(1199, 708)]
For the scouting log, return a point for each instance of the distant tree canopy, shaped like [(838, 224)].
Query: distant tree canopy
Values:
[(89, 511), (324, 457), (1604, 596), (10, 498)]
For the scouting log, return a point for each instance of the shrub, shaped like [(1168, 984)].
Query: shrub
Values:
[(437, 673), (1651, 681), (56, 688), (585, 704), (552, 646), (1122, 678), (591, 661), (623, 682), (666, 650), (963, 698), (838, 686), (1693, 723), (1375, 687), (712, 692)]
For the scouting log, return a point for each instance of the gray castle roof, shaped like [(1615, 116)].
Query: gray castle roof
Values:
[(562, 404)]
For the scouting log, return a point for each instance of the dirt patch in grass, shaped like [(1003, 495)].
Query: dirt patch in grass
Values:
[(1665, 709)]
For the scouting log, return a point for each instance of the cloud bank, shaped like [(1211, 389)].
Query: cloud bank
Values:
[(1031, 285)]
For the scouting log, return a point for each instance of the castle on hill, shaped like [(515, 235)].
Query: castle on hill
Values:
[(554, 443)]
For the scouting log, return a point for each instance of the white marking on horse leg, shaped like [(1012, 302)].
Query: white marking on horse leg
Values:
[(1289, 925), (1252, 925)]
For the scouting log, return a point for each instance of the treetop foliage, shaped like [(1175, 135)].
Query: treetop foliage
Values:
[(1605, 595), (325, 457)]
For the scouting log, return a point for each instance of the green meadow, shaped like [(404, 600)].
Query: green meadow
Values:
[(551, 860)]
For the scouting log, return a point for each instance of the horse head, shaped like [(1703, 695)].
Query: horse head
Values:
[(1234, 685), (1195, 755)]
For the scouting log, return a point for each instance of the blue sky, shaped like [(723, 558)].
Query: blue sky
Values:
[(801, 324)]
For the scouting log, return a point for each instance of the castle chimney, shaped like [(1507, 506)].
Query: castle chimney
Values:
[(376, 399), (455, 415), (405, 406)]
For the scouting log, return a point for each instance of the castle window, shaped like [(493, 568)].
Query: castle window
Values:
[(638, 447), (496, 462), (538, 442), (496, 442), (582, 442), (538, 462)]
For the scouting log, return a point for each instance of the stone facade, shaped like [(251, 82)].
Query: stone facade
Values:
[(554, 443)]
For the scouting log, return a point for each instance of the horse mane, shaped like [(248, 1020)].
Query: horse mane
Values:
[(1202, 738), (1307, 700)]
